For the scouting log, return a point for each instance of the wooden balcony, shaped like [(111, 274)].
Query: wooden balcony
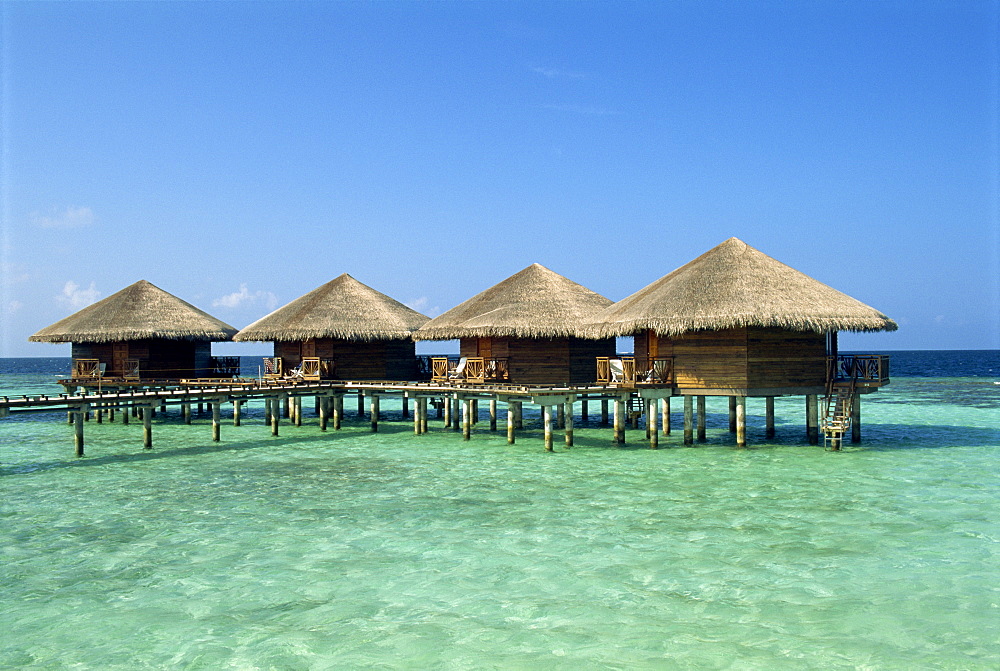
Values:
[(864, 370), (469, 369), (623, 372)]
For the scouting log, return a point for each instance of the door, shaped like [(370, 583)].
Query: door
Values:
[(119, 353)]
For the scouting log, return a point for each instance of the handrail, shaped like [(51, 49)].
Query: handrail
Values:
[(622, 370)]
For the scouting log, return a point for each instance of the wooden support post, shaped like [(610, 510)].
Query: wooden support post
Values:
[(78, 431), (769, 417), (406, 407), (446, 405), (741, 421), (201, 408), (475, 411), (519, 415), (147, 427), (732, 414), (373, 410), (267, 410), (547, 423), (812, 419), (69, 417), (423, 414), (286, 407), (665, 415), (493, 414), (440, 409), (126, 411), (688, 420), (416, 417), (186, 412), (361, 404), (275, 414), (510, 422), (654, 430), (297, 410), (111, 414), (560, 415), (701, 419), (338, 411), (568, 423), (649, 409), (584, 415), (456, 414), (856, 419), (324, 411), (619, 421), (467, 418), (216, 421), (604, 412), (316, 404), (99, 412), (238, 411)]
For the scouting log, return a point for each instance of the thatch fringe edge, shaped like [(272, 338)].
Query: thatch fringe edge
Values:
[(675, 327)]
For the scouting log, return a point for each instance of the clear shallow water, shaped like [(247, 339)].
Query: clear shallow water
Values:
[(353, 550)]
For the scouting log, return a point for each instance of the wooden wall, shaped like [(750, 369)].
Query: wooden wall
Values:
[(159, 358), (356, 360), (543, 361), (742, 358)]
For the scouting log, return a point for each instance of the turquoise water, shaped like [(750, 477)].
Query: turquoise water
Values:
[(356, 550)]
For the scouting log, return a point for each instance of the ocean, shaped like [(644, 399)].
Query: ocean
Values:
[(353, 550)]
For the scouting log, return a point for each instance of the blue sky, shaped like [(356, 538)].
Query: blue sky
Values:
[(240, 154)]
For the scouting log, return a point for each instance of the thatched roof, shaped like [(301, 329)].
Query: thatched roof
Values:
[(534, 303), (342, 308), (137, 312), (734, 285)]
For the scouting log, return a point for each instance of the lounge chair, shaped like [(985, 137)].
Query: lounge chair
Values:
[(617, 370), (459, 372)]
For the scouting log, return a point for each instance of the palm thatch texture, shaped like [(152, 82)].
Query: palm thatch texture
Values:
[(342, 308), (534, 303), (734, 285), (137, 312)]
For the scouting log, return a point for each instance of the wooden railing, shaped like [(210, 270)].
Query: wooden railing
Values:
[(473, 369), (865, 369), (273, 368), (622, 371), (87, 368), (225, 366), (131, 370)]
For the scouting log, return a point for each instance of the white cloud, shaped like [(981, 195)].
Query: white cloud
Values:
[(70, 217), (420, 305), (557, 73), (243, 297), (14, 306), (75, 297)]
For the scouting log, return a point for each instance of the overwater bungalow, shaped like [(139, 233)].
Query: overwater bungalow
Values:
[(139, 334), (341, 330), (736, 322), (528, 329)]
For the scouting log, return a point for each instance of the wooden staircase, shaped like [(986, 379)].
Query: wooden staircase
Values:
[(837, 410)]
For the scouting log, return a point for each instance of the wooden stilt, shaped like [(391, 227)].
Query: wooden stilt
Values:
[(467, 419), (475, 412), (423, 414), (446, 404), (324, 411), (456, 414), (619, 421), (568, 422), (649, 408), (547, 422), (654, 430), (741, 421), (338, 411), (98, 412), (440, 409), (688, 420), (493, 414), (584, 415), (732, 414), (769, 417), (416, 417), (560, 415), (519, 415), (701, 418), (275, 414), (316, 404), (78, 432), (126, 411), (111, 414), (510, 422), (373, 410), (147, 427), (267, 410), (238, 412), (812, 419), (297, 410), (186, 412), (604, 412), (406, 407), (856, 419), (665, 415), (216, 421)]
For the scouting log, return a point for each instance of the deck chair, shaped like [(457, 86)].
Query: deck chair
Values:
[(459, 371), (617, 370)]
